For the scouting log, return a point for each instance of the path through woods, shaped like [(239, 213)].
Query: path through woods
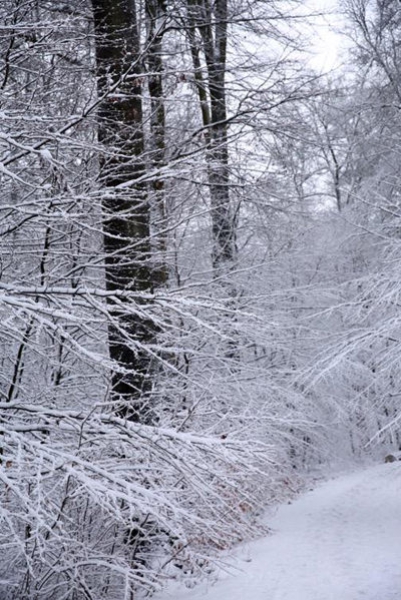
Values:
[(341, 541)]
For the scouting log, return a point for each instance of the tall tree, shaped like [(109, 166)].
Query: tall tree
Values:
[(156, 18), (126, 207), (207, 35)]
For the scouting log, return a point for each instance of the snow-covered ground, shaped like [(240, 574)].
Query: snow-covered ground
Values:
[(341, 541)]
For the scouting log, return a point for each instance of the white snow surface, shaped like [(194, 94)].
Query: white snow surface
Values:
[(341, 541)]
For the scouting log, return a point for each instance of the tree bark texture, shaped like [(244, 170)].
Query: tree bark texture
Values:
[(125, 202), (210, 20), (155, 19)]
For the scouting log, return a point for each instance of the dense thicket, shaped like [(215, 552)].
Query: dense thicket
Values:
[(198, 281)]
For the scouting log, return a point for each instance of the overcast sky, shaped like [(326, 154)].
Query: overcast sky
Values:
[(327, 44)]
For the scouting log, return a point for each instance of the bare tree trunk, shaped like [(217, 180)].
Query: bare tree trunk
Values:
[(211, 21), (156, 14), (125, 202)]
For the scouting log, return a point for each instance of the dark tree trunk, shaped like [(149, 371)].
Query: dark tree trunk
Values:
[(126, 225), (211, 21), (155, 15)]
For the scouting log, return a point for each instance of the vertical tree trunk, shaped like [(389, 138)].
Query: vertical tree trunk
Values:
[(155, 15), (211, 21), (215, 43), (126, 208)]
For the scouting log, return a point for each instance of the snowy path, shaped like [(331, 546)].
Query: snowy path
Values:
[(341, 541)]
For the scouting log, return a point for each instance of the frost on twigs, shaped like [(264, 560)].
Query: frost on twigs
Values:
[(76, 487)]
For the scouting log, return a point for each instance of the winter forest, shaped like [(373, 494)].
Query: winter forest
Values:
[(199, 278)]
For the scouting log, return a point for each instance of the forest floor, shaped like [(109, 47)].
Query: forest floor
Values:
[(341, 541)]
